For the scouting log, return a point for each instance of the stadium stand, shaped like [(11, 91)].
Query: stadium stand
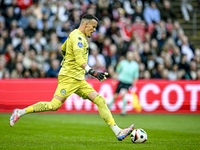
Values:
[(31, 35)]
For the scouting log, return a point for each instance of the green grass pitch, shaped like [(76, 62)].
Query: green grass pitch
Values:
[(90, 132)]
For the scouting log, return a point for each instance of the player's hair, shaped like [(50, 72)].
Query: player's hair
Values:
[(89, 17)]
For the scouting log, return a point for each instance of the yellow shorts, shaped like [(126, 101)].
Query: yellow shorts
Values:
[(67, 86)]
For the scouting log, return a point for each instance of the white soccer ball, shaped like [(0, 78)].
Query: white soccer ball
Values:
[(138, 136)]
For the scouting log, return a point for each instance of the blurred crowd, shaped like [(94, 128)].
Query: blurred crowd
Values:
[(32, 32)]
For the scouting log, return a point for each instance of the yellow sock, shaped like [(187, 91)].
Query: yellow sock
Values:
[(44, 106), (103, 110), (29, 109)]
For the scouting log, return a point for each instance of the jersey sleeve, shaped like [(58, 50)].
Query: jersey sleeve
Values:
[(63, 48), (119, 67), (78, 49)]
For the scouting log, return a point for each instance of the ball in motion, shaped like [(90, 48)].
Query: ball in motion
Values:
[(138, 136)]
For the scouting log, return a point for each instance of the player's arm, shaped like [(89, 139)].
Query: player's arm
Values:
[(78, 51), (63, 50), (136, 76), (117, 71), (101, 76)]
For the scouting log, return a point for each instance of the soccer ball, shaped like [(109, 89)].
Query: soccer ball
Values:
[(138, 136)]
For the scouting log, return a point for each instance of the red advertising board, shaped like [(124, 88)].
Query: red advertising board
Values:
[(155, 96)]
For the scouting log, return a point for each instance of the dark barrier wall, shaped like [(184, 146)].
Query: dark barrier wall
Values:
[(155, 96)]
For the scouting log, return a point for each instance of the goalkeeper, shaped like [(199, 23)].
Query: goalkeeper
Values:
[(71, 79)]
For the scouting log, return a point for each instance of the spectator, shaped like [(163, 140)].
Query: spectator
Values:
[(17, 72), (31, 29), (126, 33), (63, 31), (47, 27), (181, 74), (137, 57), (16, 9), (9, 49), (2, 46), (146, 75), (197, 57), (186, 49), (122, 18), (9, 16), (158, 72), (115, 6), (28, 58), (24, 20), (192, 73), (36, 10), (96, 60), (11, 62), (184, 63), (173, 74), (105, 25), (151, 13), (59, 11), (53, 42), (17, 38), (34, 71), (179, 38), (130, 6), (198, 74), (37, 35), (19, 57), (113, 32), (113, 57), (26, 73), (167, 13), (168, 61), (6, 74), (154, 48), (13, 28), (147, 37), (38, 42), (6, 37), (176, 29), (139, 28), (54, 69), (150, 62), (2, 66), (169, 45), (105, 48), (138, 13), (165, 74), (136, 43), (159, 30), (111, 72), (24, 44), (102, 8), (145, 53), (162, 40), (176, 55), (75, 18), (2, 23)]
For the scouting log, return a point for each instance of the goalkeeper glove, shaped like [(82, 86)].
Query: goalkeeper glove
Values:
[(101, 76)]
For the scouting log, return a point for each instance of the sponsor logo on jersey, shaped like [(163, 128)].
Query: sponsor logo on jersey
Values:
[(80, 44)]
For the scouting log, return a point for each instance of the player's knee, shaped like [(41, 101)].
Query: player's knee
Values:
[(100, 101), (55, 104)]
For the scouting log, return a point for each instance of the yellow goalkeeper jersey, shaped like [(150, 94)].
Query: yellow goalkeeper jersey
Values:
[(75, 53)]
